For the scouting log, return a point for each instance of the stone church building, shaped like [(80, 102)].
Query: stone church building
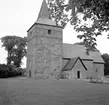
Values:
[(49, 57)]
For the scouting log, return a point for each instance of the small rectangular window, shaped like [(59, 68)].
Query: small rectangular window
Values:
[(49, 31), (96, 70)]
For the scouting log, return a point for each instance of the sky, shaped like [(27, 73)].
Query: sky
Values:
[(17, 16)]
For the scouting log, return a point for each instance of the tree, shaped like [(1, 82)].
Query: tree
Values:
[(19, 51), (96, 11), (106, 65), (16, 48), (8, 43)]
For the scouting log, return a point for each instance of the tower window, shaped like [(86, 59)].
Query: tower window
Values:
[(49, 31), (96, 70)]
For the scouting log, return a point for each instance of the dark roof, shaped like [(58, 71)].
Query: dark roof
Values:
[(71, 63)]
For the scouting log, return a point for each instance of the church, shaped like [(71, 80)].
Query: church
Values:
[(49, 57)]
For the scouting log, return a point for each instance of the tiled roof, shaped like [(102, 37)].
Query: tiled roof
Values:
[(44, 10), (45, 21), (72, 50), (96, 57), (70, 64), (43, 17)]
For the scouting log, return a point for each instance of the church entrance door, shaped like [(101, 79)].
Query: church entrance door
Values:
[(78, 74)]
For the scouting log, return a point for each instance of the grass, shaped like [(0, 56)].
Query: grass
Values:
[(16, 91)]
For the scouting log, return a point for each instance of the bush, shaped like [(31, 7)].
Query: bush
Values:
[(107, 76), (9, 71), (63, 75), (23, 72), (100, 80)]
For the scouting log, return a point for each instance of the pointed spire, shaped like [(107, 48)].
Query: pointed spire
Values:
[(43, 17), (44, 13)]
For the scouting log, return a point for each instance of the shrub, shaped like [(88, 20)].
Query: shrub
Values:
[(24, 72), (107, 76), (100, 80), (9, 71), (63, 75), (4, 70)]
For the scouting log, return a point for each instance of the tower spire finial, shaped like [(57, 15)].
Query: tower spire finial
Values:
[(44, 13)]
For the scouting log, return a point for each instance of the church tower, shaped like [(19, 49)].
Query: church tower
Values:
[(44, 48)]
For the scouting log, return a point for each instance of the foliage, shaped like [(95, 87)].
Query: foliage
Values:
[(8, 71), (98, 80), (63, 75), (16, 48), (106, 65), (79, 13), (23, 71), (92, 48)]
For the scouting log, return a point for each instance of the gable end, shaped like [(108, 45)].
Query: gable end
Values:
[(71, 63)]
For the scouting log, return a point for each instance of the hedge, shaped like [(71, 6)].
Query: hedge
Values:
[(8, 71)]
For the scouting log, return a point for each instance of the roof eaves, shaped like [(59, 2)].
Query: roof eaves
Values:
[(66, 58), (99, 62), (31, 27), (49, 25), (87, 59), (44, 24)]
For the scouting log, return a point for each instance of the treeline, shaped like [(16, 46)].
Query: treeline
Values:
[(16, 48), (106, 65), (10, 71)]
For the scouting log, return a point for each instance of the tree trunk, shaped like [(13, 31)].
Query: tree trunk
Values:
[(9, 59)]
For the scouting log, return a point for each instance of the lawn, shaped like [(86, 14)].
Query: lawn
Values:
[(19, 91)]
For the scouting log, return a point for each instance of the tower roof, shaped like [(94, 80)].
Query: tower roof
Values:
[(44, 11), (43, 17)]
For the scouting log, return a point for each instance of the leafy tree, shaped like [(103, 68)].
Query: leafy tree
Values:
[(106, 65), (8, 43), (92, 48), (19, 51), (16, 48), (78, 13)]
